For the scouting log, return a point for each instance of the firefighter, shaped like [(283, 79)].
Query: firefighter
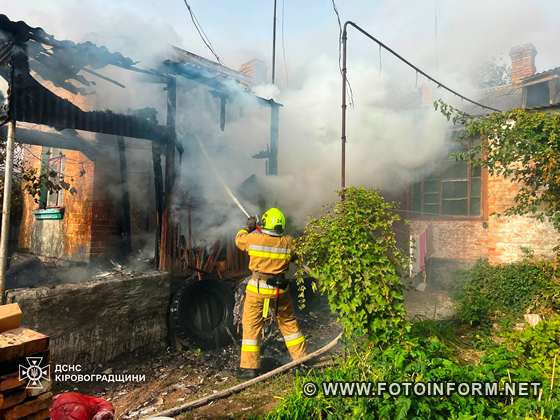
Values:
[(270, 253)]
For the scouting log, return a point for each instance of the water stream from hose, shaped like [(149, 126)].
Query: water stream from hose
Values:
[(228, 191)]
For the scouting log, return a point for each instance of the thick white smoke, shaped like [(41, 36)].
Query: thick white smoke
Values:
[(393, 137)]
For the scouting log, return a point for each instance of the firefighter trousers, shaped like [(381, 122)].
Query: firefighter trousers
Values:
[(253, 322)]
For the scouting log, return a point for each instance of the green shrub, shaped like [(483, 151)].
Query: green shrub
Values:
[(523, 356), (507, 290), (352, 251)]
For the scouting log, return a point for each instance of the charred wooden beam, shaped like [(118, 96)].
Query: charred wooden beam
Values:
[(158, 188), (126, 238), (58, 140), (36, 104), (166, 243)]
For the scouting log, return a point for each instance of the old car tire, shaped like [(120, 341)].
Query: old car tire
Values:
[(202, 312)]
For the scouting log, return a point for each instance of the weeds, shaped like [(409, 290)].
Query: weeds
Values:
[(507, 291), (528, 355)]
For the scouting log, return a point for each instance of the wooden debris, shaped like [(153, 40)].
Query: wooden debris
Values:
[(10, 399), (36, 405), (17, 400), (10, 381), (10, 317), (15, 344)]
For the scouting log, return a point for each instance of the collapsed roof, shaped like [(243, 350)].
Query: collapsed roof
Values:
[(60, 62)]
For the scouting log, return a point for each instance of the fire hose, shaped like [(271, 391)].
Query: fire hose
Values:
[(239, 387)]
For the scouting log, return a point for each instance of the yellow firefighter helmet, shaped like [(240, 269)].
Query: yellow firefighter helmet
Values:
[(274, 220)]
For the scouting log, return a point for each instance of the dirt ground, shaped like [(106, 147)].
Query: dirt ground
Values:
[(188, 373)]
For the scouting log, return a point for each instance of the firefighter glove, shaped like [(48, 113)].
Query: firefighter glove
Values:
[(251, 223)]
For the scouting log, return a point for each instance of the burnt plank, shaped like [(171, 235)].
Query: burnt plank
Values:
[(36, 405), (10, 381), (10, 399)]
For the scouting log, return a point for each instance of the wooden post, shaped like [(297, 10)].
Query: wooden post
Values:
[(166, 243), (272, 168), (6, 206), (7, 201), (158, 188), (126, 238)]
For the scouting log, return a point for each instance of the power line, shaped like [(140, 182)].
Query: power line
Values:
[(201, 32), (418, 69)]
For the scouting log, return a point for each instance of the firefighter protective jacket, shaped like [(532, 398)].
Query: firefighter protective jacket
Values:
[(268, 254)]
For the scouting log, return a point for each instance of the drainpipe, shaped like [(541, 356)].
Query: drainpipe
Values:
[(6, 204)]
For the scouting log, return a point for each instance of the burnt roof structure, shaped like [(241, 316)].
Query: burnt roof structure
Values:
[(60, 62)]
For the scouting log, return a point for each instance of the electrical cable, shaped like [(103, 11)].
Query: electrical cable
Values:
[(419, 70), (350, 92), (201, 32)]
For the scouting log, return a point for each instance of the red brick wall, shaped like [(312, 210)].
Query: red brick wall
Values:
[(522, 62), (507, 236), (91, 224), (501, 239), (454, 239), (74, 230)]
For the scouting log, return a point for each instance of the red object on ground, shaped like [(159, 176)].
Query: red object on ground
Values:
[(76, 406)]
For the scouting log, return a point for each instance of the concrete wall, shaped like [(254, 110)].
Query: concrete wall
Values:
[(96, 321)]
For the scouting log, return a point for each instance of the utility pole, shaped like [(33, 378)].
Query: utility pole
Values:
[(6, 204), (274, 45), (272, 167)]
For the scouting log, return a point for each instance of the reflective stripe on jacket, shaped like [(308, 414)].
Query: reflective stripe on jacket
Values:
[(267, 254), (260, 287)]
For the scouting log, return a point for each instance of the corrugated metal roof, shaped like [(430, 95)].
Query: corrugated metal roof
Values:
[(536, 76)]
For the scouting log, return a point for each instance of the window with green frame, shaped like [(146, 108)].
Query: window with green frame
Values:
[(52, 165), (454, 190)]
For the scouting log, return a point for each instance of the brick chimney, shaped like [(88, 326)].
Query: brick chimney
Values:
[(522, 62)]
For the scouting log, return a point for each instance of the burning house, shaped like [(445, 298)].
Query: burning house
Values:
[(126, 192), (455, 210)]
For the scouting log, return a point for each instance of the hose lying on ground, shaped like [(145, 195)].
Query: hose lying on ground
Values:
[(236, 388)]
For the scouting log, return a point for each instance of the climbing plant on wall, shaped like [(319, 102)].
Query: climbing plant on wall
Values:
[(523, 146)]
